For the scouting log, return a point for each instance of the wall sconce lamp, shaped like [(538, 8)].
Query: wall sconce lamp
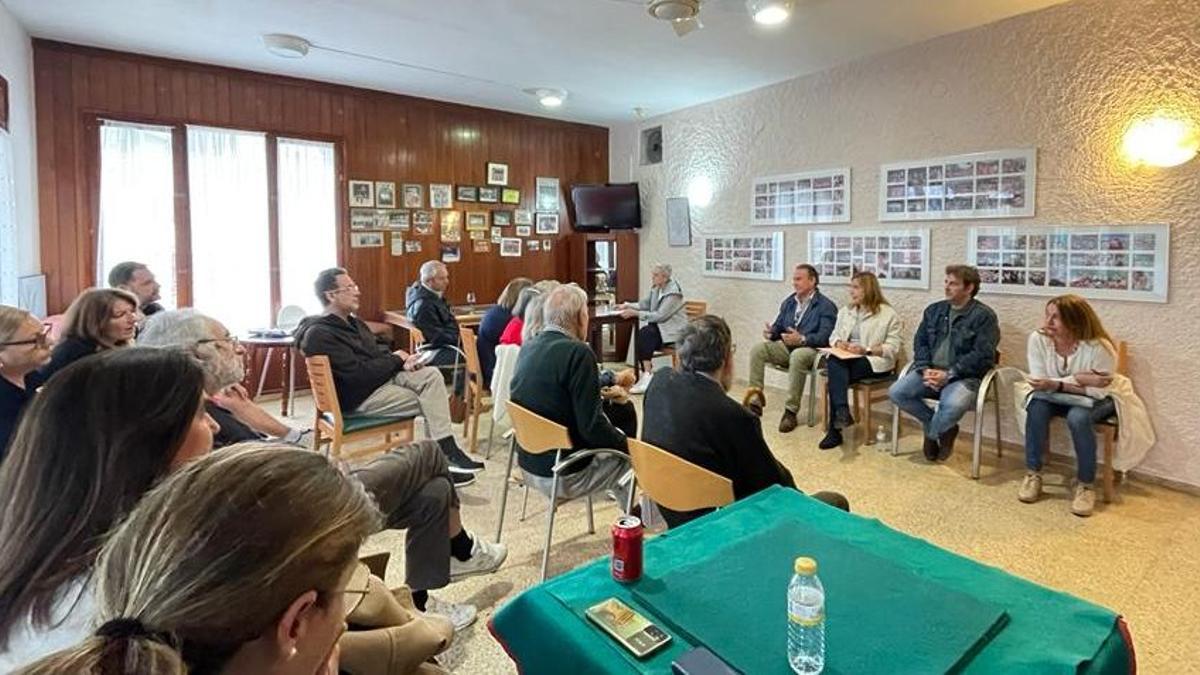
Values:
[(1161, 141)]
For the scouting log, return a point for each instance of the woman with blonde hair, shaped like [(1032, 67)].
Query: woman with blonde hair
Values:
[(241, 562), (98, 320), (24, 347), (868, 330), (1071, 362)]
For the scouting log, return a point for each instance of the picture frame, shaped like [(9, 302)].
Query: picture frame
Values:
[(477, 220), (466, 193), (898, 257), (385, 194), (414, 198), (497, 233), (994, 184), (452, 226), (547, 244), (451, 253), (522, 217), (477, 234), (523, 231), (749, 255), (510, 196), (546, 194), (819, 196), (383, 218), (481, 246), (497, 173), (533, 245), (366, 240), (547, 223), (1103, 262), (510, 247), (362, 219), (440, 196), (361, 194), (422, 222), (502, 218), (489, 195), (397, 244), (412, 246), (679, 222), (399, 219)]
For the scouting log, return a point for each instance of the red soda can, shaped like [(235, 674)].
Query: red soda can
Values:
[(627, 549)]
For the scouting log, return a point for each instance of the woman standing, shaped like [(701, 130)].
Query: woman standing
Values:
[(98, 320), (24, 347), (495, 320), (869, 328), (1071, 362), (662, 316)]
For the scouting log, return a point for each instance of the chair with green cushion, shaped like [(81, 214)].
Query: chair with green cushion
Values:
[(335, 429)]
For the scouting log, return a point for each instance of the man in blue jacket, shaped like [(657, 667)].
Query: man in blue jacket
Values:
[(805, 320), (952, 350)]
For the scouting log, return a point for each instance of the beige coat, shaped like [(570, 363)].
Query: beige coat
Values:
[(882, 327)]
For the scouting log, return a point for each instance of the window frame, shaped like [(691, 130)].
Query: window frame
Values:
[(183, 230)]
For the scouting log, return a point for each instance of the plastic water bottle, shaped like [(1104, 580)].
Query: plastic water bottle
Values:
[(806, 619), (880, 435)]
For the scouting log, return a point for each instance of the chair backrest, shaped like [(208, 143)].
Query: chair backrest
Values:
[(1123, 357), (506, 364), (289, 317), (693, 309), (415, 339), (325, 398), (470, 347), (535, 433), (675, 482)]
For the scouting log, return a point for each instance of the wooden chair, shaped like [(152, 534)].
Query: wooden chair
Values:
[(334, 428), (989, 390), (693, 309), (474, 391), (863, 394), (813, 376), (676, 483), (538, 435), (1110, 429)]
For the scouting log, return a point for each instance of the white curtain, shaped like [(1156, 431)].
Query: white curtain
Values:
[(137, 202), (307, 219), (8, 224), (227, 181)]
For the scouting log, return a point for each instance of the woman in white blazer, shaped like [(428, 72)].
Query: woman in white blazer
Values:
[(868, 327)]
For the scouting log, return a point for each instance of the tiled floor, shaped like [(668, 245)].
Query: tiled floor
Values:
[(1139, 556)]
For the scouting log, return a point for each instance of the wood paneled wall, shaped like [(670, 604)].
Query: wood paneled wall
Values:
[(380, 137)]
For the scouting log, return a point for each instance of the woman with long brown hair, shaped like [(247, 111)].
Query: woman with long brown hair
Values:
[(98, 320), (241, 562), (494, 321), (1071, 362), (24, 347), (99, 435), (868, 329)]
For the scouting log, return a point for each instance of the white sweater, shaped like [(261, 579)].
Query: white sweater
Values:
[(1045, 363), (882, 327), (72, 619)]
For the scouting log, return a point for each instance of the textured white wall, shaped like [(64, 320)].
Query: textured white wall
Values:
[(1066, 79), (16, 65)]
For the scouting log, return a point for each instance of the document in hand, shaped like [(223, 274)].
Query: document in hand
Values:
[(840, 353)]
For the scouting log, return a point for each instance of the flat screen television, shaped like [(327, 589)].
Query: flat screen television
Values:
[(612, 206)]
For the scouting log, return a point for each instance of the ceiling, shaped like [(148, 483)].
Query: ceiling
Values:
[(610, 55)]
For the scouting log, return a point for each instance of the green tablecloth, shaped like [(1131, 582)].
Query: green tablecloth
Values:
[(544, 631)]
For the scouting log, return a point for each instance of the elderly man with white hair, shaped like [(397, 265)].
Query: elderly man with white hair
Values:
[(412, 485), (428, 310), (556, 377), (662, 317)]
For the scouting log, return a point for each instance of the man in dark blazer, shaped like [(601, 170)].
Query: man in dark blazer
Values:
[(688, 414)]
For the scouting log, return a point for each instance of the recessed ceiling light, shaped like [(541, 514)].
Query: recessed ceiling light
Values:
[(769, 12), (286, 46), (549, 97)]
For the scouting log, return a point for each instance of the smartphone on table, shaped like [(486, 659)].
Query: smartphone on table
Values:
[(623, 624)]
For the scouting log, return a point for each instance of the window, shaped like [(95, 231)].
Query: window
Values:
[(137, 202), (244, 262)]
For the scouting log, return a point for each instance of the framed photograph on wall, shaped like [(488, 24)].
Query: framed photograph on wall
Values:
[(898, 257), (533, 245), (467, 193), (383, 219), (510, 247), (477, 220), (362, 219), (412, 246), (523, 231), (1000, 184), (452, 226), (510, 196), (502, 218), (399, 219), (490, 195), (397, 243), (1104, 262), (522, 217), (362, 194), (744, 256), (451, 253), (414, 198), (440, 196), (546, 194), (679, 222), (497, 174), (821, 196), (547, 223), (385, 194), (366, 240)]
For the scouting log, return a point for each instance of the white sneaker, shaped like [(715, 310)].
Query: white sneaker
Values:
[(1031, 487), (485, 558), (1084, 500), (640, 386), (461, 615)]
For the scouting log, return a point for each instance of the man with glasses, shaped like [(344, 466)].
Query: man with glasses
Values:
[(689, 414), (413, 485), (369, 377), (24, 347)]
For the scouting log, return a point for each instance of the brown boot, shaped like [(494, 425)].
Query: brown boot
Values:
[(946, 442), (788, 422), (458, 409), (754, 401)]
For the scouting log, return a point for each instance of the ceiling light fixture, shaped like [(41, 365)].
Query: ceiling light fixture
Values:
[(549, 97), (770, 12), (286, 46)]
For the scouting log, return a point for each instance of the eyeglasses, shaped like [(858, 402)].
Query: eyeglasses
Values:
[(233, 340), (356, 589), (342, 289), (41, 339)]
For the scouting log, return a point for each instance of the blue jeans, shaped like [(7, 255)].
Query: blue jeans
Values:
[(1083, 436), (954, 400)]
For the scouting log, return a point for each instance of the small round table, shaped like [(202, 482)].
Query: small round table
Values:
[(287, 366)]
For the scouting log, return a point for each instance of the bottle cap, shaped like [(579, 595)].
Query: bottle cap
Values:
[(805, 566)]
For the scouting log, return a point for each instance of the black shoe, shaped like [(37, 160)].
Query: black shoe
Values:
[(930, 449), (946, 442), (842, 418), (788, 422), (833, 438), (457, 458), (461, 479)]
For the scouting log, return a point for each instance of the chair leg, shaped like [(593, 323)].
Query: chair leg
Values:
[(999, 445), (895, 430), (1110, 489), (977, 441), (591, 518), (504, 489), (812, 395), (550, 524), (487, 454), (632, 492), (335, 446), (524, 503)]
